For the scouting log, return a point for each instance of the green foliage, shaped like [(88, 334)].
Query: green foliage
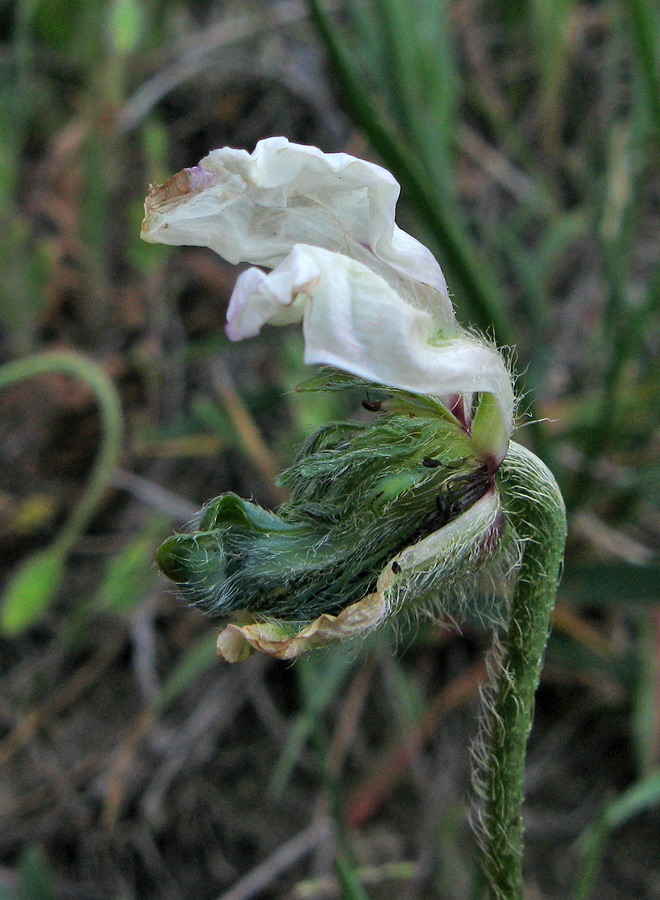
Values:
[(618, 584), (360, 492), (129, 573), (641, 796), (33, 587), (320, 678), (125, 26), (199, 657), (349, 884), (31, 590), (25, 267), (645, 28)]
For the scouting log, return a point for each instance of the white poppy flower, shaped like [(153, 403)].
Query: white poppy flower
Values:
[(372, 299), (373, 303)]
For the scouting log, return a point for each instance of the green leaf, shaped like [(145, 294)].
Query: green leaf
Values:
[(126, 21), (201, 656), (645, 23), (31, 590), (351, 889), (320, 680), (645, 719), (636, 799), (130, 572)]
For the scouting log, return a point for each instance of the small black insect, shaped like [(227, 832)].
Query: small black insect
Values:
[(446, 510), (430, 462), (372, 405), (396, 568)]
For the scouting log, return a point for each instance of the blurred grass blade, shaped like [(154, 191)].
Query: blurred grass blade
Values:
[(130, 572), (469, 276), (534, 268), (551, 25), (645, 21), (26, 267), (645, 720), (320, 680), (196, 660), (18, 90), (31, 590), (420, 67), (637, 799), (350, 887), (35, 877), (125, 26), (41, 574), (402, 53)]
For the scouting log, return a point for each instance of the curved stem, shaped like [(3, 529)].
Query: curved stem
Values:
[(534, 507), (107, 398)]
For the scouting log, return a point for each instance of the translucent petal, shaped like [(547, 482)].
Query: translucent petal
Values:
[(353, 320), (237, 641), (255, 207)]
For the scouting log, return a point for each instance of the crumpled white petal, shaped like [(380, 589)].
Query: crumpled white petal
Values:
[(353, 320), (373, 300), (255, 207), (236, 642)]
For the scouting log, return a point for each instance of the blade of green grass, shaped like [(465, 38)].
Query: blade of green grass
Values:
[(130, 573), (350, 887), (641, 796), (467, 274), (645, 720), (550, 22), (611, 583), (319, 680), (201, 656), (41, 573), (645, 22), (419, 64)]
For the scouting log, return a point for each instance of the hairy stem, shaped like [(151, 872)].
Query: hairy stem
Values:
[(534, 506)]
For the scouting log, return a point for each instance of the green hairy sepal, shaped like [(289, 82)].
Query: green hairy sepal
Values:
[(360, 493)]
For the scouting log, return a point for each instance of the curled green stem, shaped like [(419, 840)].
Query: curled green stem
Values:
[(534, 506), (78, 366)]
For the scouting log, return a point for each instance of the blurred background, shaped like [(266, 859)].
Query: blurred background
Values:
[(134, 764)]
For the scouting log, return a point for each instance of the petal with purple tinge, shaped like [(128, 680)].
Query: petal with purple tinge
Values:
[(354, 320), (255, 207)]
